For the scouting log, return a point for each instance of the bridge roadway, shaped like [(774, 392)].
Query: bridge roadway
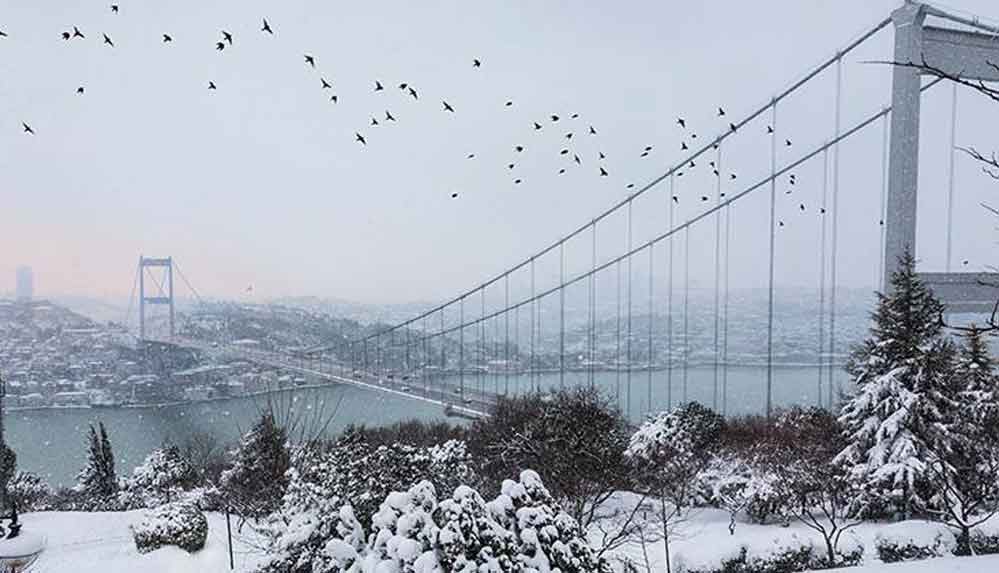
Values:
[(449, 396)]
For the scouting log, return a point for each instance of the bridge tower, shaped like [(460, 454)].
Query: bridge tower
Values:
[(164, 295), (961, 53)]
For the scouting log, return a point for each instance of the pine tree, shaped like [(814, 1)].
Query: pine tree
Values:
[(902, 399), (97, 480), (257, 479)]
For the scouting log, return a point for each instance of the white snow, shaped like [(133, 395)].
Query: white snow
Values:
[(983, 564), (102, 543)]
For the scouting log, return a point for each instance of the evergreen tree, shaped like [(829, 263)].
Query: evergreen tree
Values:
[(902, 401), (97, 480), (257, 479)]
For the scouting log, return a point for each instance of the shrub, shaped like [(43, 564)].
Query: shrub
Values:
[(783, 558), (179, 524), (29, 492), (256, 481), (900, 543), (161, 478)]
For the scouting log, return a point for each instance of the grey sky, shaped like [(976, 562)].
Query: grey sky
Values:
[(261, 182)]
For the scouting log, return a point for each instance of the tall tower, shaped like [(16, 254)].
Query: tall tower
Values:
[(164, 294)]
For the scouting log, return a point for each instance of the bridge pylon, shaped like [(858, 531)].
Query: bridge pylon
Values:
[(164, 294)]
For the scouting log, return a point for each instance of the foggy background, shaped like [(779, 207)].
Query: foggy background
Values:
[(261, 182)]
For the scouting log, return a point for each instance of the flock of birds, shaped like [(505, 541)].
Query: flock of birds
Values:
[(552, 122)]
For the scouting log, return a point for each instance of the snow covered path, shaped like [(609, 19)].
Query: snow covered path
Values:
[(984, 564), (102, 543)]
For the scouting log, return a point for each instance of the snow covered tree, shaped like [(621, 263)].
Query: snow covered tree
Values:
[(965, 473), (163, 476), (574, 438), (902, 399), (669, 453), (257, 479), (97, 481)]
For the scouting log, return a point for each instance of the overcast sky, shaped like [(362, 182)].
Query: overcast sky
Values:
[(262, 183)]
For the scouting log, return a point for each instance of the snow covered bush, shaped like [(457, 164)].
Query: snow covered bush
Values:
[(786, 556), (742, 489), (162, 477), (903, 542), (29, 492), (179, 524), (519, 531)]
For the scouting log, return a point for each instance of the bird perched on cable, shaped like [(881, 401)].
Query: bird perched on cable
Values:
[(360, 138), (310, 60), (267, 28), (27, 128), (732, 127), (227, 37), (107, 40), (447, 107)]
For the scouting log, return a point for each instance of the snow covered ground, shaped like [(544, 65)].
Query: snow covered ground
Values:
[(984, 564), (102, 543)]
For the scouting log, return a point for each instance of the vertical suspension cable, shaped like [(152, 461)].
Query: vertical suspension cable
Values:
[(461, 346), (669, 299), (770, 287), (648, 403), (506, 338), (617, 355), (718, 198), (686, 310), (561, 316), (593, 308), (516, 346), (822, 274), (534, 316), (728, 235), (835, 232), (628, 341), (885, 123), (950, 177), (482, 341)]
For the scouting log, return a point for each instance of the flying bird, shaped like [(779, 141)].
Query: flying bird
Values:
[(787, 142), (447, 107), (388, 117), (568, 135), (334, 99), (644, 154), (576, 159), (510, 166), (267, 28), (676, 200), (378, 86), (65, 35), (574, 116), (412, 92), (801, 206), (518, 148), (732, 127), (693, 136), (403, 86), (374, 121), (770, 129), (564, 152), (692, 165), (715, 171), (603, 172), (77, 33), (211, 85), (326, 84), (648, 148), (359, 137), (721, 112), (79, 90), (476, 64), (629, 186), (454, 195), (682, 123), (602, 156), (822, 210), (704, 197), (107, 40), (167, 38), (27, 128), (509, 103), (114, 8), (561, 171), (310, 60), (219, 46), (683, 146), (227, 37), (537, 126), (517, 181), (732, 176), (470, 155), (592, 131), (554, 118), (964, 262), (781, 223)]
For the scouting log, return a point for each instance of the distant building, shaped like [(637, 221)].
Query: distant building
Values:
[(25, 286)]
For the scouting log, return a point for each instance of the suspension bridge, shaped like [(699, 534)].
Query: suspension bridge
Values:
[(609, 303)]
